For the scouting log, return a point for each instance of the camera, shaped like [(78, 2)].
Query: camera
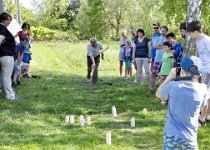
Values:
[(178, 70)]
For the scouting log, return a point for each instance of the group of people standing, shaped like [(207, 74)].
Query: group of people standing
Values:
[(162, 51), (187, 89), (14, 57)]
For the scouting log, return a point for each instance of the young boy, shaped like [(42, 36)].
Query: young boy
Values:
[(127, 54), (186, 99), (177, 47), (167, 61), (20, 48), (203, 50)]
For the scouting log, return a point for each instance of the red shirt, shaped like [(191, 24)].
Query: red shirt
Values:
[(21, 34)]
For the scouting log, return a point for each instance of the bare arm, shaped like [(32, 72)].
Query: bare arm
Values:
[(149, 48), (134, 52), (158, 46), (170, 77), (2, 39), (104, 49)]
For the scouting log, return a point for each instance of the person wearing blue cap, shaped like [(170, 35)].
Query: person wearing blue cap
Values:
[(187, 97), (127, 56)]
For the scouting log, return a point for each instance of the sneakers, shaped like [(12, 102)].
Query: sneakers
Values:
[(207, 120), (14, 85), (150, 92), (18, 82), (201, 123), (15, 99), (28, 75), (88, 76)]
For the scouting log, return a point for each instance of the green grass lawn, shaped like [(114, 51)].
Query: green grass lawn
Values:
[(37, 120)]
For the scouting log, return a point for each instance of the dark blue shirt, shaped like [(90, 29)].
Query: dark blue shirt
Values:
[(142, 50), (177, 54)]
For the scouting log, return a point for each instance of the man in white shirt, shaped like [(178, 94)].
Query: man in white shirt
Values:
[(94, 48), (203, 51)]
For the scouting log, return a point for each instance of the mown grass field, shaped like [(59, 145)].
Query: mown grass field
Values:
[(37, 120)]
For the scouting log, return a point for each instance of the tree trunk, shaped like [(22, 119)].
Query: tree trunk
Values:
[(18, 12), (1, 6), (193, 14)]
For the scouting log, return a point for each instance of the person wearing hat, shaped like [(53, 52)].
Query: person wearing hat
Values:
[(187, 97), (127, 54), (203, 50), (94, 48)]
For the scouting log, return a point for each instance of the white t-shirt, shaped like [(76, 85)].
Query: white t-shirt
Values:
[(94, 51), (203, 48)]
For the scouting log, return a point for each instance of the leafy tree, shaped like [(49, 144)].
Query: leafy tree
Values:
[(71, 12), (91, 20), (193, 13)]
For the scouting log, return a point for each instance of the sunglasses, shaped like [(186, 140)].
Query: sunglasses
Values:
[(26, 27), (155, 28)]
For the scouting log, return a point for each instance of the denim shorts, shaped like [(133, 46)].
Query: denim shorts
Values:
[(16, 70), (121, 55)]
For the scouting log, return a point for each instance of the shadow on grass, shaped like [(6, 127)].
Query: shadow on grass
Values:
[(38, 117)]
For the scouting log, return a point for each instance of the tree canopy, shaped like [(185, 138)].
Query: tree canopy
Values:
[(106, 18)]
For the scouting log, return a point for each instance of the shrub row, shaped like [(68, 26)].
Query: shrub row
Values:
[(43, 33)]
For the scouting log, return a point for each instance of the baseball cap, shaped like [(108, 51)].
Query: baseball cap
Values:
[(189, 61), (128, 40), (156, 24)]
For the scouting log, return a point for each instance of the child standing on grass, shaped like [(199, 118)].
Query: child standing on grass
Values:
[(187, 97), (167, 61), (20, 48), (26, 58), (127, 55)]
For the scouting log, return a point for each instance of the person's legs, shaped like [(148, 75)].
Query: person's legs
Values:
[(136, 74), (126, 69), (139, 63), (95, 71), (208, 112), (205, 114), (146, 67), (7, 64), (89, 67), (154, 73), (121, 67), (153, 60)]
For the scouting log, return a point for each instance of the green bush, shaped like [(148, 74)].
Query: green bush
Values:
[(43, 33)]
